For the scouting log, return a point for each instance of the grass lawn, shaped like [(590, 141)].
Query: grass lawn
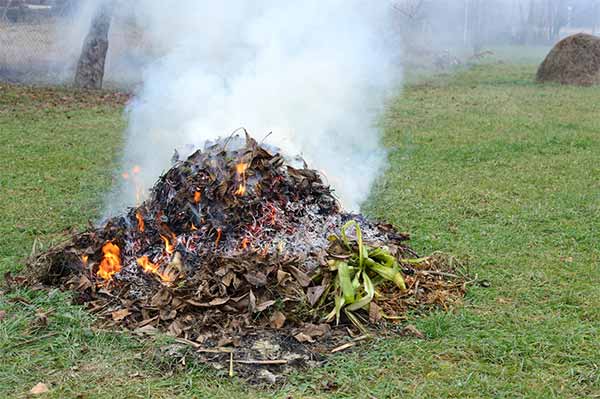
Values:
[(484, 164)]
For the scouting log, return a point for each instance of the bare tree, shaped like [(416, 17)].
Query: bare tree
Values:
[(90, 68), (412, 12)]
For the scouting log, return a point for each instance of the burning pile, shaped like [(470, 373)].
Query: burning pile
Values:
[(237, 239)]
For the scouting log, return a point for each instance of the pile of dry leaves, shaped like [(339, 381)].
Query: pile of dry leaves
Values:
[(246, 257)]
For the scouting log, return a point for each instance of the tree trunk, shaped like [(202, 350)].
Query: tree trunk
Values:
[(90, 69)]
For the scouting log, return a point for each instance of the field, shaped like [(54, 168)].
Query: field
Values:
[(484, 164)]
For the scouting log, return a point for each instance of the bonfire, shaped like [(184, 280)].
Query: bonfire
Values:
[(236, 243)]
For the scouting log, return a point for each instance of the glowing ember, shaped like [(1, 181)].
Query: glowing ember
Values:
[(140, 220), (241, 169), (125, 175), (136, 169), (193, 228), (84, 260), (197, 197), (169, 248), (111, 262)]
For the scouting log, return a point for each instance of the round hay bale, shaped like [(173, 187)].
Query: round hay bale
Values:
[(574, 60)]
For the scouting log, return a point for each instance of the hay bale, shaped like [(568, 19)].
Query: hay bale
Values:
[(574, 60)]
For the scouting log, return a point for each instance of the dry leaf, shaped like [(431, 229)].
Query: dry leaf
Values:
[(214, 302), (41, 318), (224, 341), (264, 305), (162, 298), (277, 319), (120, 314), (146, 330), (252, 304), (300, 276), (283, 277), (314, 293), (39, 389), (175, 329), (374, 313), (2, 314), (84, 283), (301, 337), (315, 330), (167, 315), (256, 279), (228, 278), (412, 330)]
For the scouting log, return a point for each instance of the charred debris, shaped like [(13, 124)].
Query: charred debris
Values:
[(237, 246)]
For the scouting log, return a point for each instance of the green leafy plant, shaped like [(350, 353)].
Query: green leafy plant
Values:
[(359, 274)]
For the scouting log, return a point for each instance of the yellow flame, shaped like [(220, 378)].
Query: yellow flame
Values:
[(111, 262), (140, 220), (170, 248), (241, 169), (148, 266)]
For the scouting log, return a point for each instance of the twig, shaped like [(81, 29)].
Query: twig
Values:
[(35, 339), (263, 362), (350, 344), (188, 342), (343, 347), (437, 273), (231, 136), (217, 350), (264, 138), (231, 364)]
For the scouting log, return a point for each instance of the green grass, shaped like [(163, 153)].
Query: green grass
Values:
[(484, 164)]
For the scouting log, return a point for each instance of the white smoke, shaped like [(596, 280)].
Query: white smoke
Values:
[(314, 73)]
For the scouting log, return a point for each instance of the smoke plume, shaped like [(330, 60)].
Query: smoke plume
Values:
[(315, 74)]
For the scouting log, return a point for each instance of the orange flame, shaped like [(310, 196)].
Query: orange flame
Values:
[(197, 197), (148, 266), (245, 242), (193, 228), (219, 232), (170, 248), (140, 220), (111, 262), (241, 169), (84, 260), (241, 190)]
